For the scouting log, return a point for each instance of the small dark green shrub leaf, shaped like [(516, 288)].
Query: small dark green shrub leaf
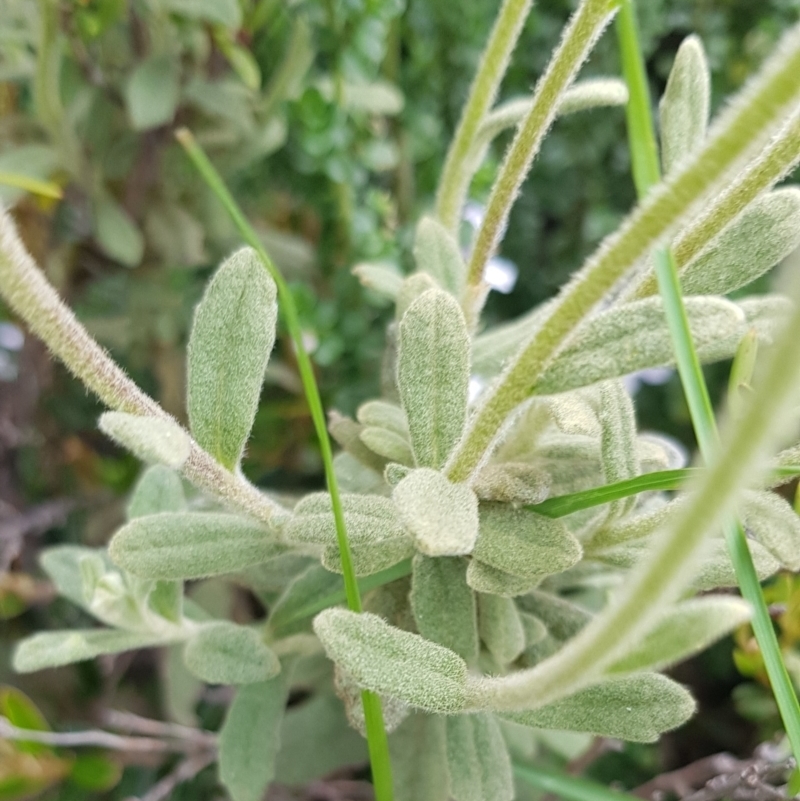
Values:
[(250, 738), (442, 517), (500, 627), (418, 750), (186, 545), (224, 653), (438, 254), (774, 524), (443, 604), (231, 340), (636, 708), (152, 92), (524, 543), (684, 106), (433, 375), (55, 648), (684, 630), (151, 439), (485, 578), (158, 490), (477, 759), (393, 662)]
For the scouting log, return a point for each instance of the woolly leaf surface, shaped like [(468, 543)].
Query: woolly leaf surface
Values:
[(388, 444), (774, 524), (418, 751), (563, 618), (500, 627), (512, 482), (433, 375), (369, 518), (524, 543), (313, 584), (383, 414), (385, 279), (436, 252), (184, 545), (617, 440), (232, 336), (347, 432), (442, 517), (393, 662), (49, 649), (370, 557), (636, 708), (683, 110), (151, 439), (224, 653), (158, 490), (765, 233), (477, 759), (485, 578), (411, 288), (634, 336), (250, 738), (394, 711), (684, 630), (443, 604)]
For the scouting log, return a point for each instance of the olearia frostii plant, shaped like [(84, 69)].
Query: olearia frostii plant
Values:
[(510, 563)]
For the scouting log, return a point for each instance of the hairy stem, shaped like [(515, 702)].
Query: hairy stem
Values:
[(30, 295), (376, 731), (648, 174), (456, 175), (668, 567), (761, 108), (580, 35)]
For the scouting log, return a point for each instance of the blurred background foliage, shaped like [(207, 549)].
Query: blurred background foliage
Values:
[(330, 120)]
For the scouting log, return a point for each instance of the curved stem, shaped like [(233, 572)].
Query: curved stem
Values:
[(456, 175), (580, 35), (648, 174)]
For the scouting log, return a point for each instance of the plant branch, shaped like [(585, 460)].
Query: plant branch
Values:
[(456, 175), (579, 37), (376, 732), (30, 295), (761, 108), (648, 174)]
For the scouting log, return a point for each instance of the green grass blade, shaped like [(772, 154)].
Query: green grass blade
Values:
[(647, 174), (376, 732), (567, 787)]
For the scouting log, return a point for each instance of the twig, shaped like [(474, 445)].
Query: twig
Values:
[(35, 520), (98, 739), (123, 721), (186, 770)]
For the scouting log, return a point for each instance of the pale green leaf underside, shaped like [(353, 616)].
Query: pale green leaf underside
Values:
[(636, 708), (187, 545), (151, 439), (393, 662)]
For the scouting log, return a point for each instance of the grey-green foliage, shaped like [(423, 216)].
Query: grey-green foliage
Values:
[(418, 751), (436, 253), (523, 543), (684, 106), (444, 605), (232, 336), (433, 375), (394, 711), (183, 545), (442, 517), (512, 482), (774, 524), (485, 578), (683, 630), (55, 648), (224, 653), (250, 738), (158, 490), (477, 759), (500, 627), (151, 439), (389, 661), (637, 708)]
